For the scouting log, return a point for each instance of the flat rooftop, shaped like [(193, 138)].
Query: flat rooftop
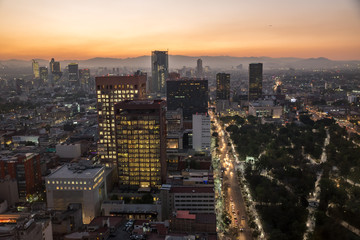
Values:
[(192, 189), (76, 171)]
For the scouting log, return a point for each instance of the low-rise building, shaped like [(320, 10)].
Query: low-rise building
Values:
[(77, 183), (265, 108), (195, 199), (20, 226), (66, 221), (68, 150), (131, 211), (25, 168), (183, 221), (9, 190)]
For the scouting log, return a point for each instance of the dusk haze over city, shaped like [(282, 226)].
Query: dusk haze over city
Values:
[(119, 29), (179, 120)]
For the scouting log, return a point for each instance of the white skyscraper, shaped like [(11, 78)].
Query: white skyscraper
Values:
[(201, 132)]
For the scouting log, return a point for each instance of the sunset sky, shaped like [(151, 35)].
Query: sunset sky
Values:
[(82, 29)]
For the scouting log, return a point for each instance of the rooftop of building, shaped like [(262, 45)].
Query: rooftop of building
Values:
[(187, 79), (185, 215), (192, 189), (7, 155), (77, 235), (129, 79), (112, 220), (262, 103), (207, 218), (139, 103), (121, 207), (78, 170)]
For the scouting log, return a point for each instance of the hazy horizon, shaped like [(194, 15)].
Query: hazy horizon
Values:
[(119, 29), (190, 56)]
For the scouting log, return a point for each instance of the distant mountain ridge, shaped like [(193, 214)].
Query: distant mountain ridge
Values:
[(178, 61)]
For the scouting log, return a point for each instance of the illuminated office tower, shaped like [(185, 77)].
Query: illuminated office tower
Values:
[(255, 81), (160, 71), (110, 90), (141, 143), (73, 69), (35, 68), (191, 95), (222, 86), (44, 74)]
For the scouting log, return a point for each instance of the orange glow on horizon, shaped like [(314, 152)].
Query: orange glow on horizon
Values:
[(121, 29)]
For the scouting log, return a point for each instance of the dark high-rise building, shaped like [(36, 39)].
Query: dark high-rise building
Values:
[(222, 86), (20, 84), (44, 74), (199, 68), (110, 90), (189, 94), (141, 142), (160, 71), (54, 66), (54, 71), (73, 69), (84, 77), (35, 68), (255, 81)]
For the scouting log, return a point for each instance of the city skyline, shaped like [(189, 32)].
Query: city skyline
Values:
[(119, 29)]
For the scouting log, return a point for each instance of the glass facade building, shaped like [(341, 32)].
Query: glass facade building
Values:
[(73, 73), (110, 90), (160, 71), (141, 143), (222, 86), (191, 95)]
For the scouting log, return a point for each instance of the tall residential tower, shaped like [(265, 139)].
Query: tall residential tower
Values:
[(255, 81), (199, 69), (222, 86)]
